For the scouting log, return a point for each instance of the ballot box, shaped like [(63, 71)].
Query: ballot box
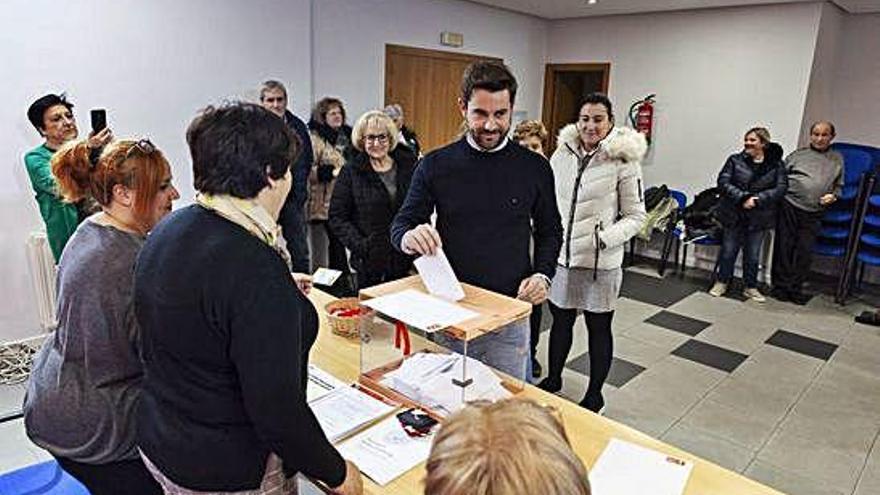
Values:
[(438, 355)]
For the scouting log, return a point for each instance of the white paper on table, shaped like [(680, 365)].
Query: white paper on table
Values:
[(438, 277), (420, 310), (427, 378), (384, 451), (628, 469), (325, 276), (321, 383), (346, 410)]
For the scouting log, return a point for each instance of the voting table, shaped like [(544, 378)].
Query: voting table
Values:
[(589, 433)]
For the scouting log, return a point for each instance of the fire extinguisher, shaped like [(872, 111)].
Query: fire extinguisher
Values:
[(641, 116)]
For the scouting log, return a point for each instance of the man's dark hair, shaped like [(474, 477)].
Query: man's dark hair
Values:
[(599, 99), (233, 145), (490, 75), (38, 108)]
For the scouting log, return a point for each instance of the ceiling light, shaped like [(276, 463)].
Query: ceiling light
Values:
[(591, 2)]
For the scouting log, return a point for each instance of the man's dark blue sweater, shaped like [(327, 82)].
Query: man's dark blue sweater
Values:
[(488, 205)]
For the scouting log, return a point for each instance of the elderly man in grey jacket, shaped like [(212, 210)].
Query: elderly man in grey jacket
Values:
[(815, 179)]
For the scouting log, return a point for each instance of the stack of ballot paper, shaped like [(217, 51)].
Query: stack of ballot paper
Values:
[(427, 378), (385, 451), (628, 469), (346, 410), (321, 383)]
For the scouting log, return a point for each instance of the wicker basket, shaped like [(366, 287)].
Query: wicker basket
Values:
[(344, 326)]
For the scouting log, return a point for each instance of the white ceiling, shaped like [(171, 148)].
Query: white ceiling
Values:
[(564, 9)]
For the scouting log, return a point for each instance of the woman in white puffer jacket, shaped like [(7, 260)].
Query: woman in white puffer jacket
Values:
[(598, 175)]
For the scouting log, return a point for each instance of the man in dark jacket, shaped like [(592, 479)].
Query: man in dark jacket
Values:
[(273, 97), (752, 183), (488, 192)]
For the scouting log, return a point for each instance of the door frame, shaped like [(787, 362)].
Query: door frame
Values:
[(391, 49), (550, 72)]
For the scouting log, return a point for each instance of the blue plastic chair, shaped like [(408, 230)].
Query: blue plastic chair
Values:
[(871, 150), (40, 479), (836, 223)]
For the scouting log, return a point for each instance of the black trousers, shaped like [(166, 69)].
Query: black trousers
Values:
[(115, 478), (796, 231), (535, 327), (598, 338), (337, 260)]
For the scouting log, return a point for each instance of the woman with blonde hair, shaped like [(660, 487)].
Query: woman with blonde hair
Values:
[(533, 135), (87, 378), (367, 195), (508, 447), (752, 183)]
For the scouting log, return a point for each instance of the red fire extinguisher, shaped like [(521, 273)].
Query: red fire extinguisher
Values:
[(641, 116)]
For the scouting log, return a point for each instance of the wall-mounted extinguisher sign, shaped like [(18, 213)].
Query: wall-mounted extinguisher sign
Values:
[(641, 116)]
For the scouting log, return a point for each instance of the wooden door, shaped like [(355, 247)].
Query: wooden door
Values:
[(565, 86), (426, 83)]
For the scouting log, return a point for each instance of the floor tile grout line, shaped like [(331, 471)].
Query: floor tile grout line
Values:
[(791, 407), (694, 405), (865, 464)]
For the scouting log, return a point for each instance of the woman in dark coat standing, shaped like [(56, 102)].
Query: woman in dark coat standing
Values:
[(367, 195), (752, 183)]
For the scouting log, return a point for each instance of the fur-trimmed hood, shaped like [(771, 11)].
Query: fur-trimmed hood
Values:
[(621, 144)]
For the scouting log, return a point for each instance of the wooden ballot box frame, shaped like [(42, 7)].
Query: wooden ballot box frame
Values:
[(384, 348)]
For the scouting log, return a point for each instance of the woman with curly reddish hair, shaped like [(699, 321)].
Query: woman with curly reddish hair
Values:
[(86, 379)]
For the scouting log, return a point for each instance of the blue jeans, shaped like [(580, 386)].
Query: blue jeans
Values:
[(750, 242), (506, 349)]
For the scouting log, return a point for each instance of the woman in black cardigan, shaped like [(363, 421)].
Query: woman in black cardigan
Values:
[(368, 193), (226, 328)]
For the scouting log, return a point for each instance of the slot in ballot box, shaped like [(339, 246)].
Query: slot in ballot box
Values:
[(438, 355)]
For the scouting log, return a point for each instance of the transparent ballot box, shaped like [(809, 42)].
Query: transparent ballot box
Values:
[(438, 355)]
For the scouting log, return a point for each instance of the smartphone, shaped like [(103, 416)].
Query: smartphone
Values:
[(99, 120)]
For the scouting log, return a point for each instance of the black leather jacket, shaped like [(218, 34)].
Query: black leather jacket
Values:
[(742, 178)]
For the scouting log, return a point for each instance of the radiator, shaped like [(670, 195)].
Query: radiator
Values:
[(43, 273)]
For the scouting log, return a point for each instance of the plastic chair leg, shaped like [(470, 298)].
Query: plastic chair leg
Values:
[(664, 255)]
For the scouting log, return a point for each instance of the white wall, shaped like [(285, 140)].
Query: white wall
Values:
[(856, 88), (820, 95), (152, 65), (716, 73), (350, 38)]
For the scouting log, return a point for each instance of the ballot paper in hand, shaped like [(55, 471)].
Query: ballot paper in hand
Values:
[(325, 276), (321, 383), (346, 410), (384, 451), (420, 310), (438, 277), (628, 469)]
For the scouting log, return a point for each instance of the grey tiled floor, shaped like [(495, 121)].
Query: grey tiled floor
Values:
[(787, 395), (798, 410)]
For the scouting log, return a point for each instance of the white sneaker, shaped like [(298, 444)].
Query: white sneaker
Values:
[(718, 289), (754, 295)]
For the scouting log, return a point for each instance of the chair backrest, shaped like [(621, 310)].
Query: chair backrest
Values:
[(855, 163), (679, 197)]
